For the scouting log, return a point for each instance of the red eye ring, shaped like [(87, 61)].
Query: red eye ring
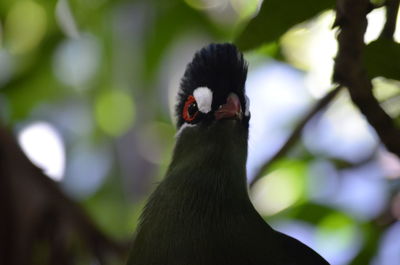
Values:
[(186, 115)]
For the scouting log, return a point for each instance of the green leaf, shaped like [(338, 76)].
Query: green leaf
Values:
[(276, 17), (382, 58), (311, 212)]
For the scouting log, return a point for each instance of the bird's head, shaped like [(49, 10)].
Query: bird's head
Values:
[(212, 105)]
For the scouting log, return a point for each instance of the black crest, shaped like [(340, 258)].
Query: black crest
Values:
[(221, 68)]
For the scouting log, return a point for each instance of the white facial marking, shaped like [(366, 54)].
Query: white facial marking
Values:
[(247, 106), (203, 96)]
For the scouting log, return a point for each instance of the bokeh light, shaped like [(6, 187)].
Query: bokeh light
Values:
[(279, 189), (322, 181), (87, 168), (341, 132), (277, 98), (75, 118), (312, 47), (337, 238), (44, 146), (363, 192), (376, 20), (245, 8), (114, 112), (76, 61), (25, 26), (389, 252)]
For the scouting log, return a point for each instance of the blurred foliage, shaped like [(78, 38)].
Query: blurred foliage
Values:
[(275, 18), (381, 57), (96, 71)]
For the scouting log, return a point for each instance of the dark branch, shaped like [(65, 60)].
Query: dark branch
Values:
[(349, 71), (35, 208), (392, 8), (322, 103)]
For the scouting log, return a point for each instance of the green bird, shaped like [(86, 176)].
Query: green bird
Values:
[(201, 214)]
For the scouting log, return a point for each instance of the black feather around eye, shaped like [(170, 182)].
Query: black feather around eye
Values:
[(221, 68)]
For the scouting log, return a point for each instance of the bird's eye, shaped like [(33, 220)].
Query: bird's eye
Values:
[(190, 109)]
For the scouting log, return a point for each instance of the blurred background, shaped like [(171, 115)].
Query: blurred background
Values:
[(87, 87)]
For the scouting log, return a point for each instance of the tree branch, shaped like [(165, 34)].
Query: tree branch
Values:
[(349, 72), (322, 103), (36, 210), (392, 8)]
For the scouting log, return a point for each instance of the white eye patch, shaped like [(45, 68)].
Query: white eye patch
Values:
[(203, 97), (247, 106)]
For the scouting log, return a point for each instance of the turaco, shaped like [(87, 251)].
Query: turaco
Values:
[(201, 214)]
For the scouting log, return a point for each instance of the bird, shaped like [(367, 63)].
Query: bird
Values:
[(201, 213)]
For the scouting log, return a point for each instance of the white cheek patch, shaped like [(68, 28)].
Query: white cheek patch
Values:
[(247, 106), (203, 97)]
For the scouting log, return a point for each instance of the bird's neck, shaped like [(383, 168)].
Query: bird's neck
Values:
[(208, 173), (202, 199), (212, 181)]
